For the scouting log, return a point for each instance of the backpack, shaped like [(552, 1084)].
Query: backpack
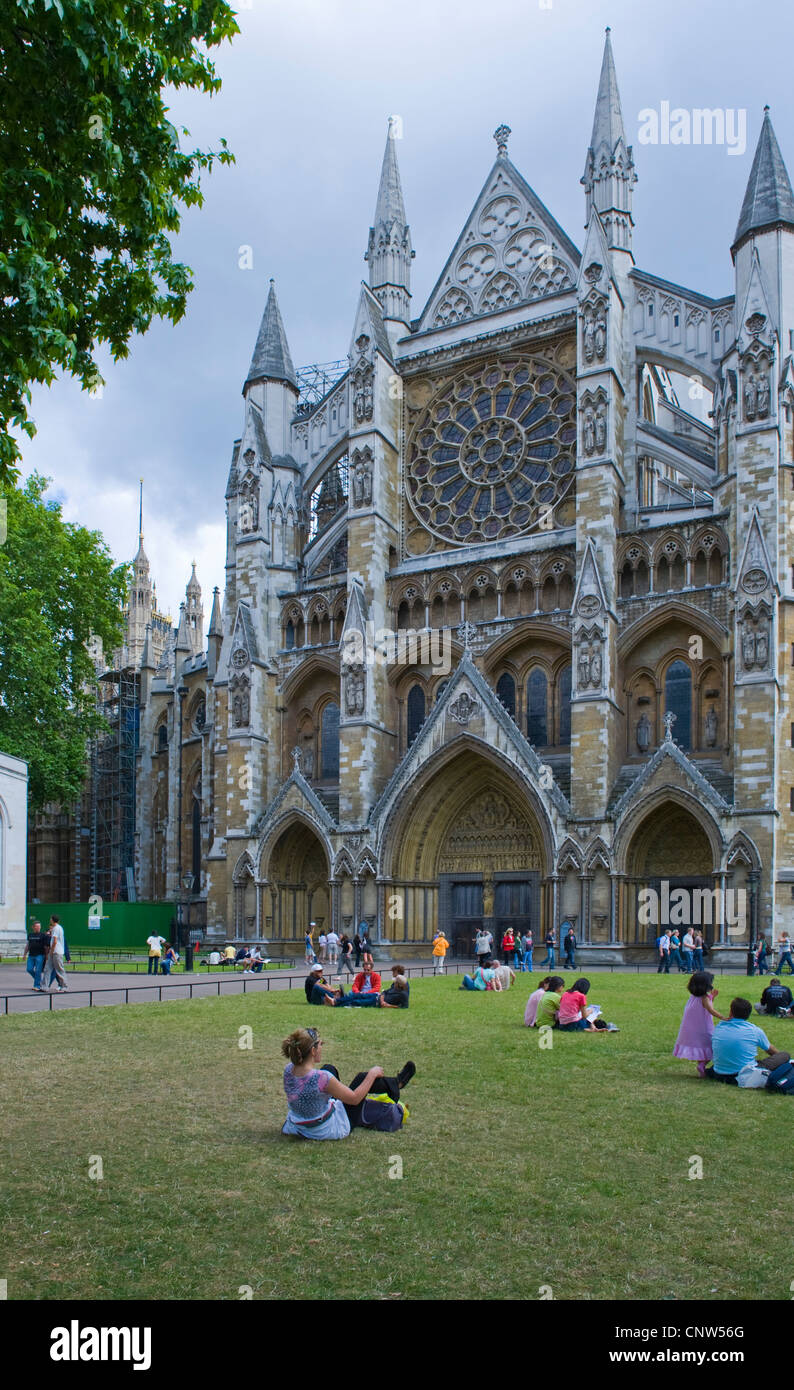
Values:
[(782, 1079)]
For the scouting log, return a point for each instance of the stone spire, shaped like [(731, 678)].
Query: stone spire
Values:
[(389, 251), (271, 360), (194, 613), (182, 643), (768, 201), (609, 168), (215, 634), (216, 620)]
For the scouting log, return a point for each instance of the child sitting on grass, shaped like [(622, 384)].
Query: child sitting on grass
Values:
[(697, 1025)]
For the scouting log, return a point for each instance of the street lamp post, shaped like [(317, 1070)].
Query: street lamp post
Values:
[(188, 883)]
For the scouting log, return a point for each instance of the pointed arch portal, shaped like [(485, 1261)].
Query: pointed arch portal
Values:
[(298, 873), (468, 850)]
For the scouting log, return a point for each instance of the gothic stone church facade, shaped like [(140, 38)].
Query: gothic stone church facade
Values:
[(580, 476)]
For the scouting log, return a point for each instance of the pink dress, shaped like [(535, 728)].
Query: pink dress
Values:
[(694, 1035)]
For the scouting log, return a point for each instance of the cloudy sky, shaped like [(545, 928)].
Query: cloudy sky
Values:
[(307, 89)]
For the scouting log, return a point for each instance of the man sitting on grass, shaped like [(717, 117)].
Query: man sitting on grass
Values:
[(735, 1043), (776, 999)]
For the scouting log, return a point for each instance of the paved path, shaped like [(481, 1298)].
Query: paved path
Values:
[(94, 987)]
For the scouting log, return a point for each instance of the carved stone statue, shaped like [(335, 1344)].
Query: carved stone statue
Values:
[(589, 430), (241, 702), (748, 646), (363, 392), (583, 668), (601, 336), (762, 394), (601, 429), (589, 336), (712, 725), (595, 667), (762, 646), (355, 688), (749, 396), (643, 733), (362, 477)]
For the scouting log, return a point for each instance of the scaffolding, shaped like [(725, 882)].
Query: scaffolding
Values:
[(113, 768)]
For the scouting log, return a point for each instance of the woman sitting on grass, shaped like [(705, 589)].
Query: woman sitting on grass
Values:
[(574, 1016), (484, 977), (546, 1016), (530, 1012), (320, 1107), (697, 1025)]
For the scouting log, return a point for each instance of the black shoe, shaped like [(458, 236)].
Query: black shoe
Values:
[(404, 1076)]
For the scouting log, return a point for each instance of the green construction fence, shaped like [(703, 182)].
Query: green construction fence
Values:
[(106, 925)]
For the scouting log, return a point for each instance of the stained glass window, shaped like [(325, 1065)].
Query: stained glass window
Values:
[(678, 701), (564, 688), (537, 724), (506, 690), (493, 454), (416, 711), (330, 741)]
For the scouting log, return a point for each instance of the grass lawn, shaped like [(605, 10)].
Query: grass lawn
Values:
[(522, 1167)]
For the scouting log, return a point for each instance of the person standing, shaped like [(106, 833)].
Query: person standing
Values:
[(345, 954), (36, 950), (366, 943), (482, 946), (509, 947), (569, 946), (155, 944), (784, 948), (310, 956), (551, 943), (527, 946), (663, 947), (687, 947), (332, 945), (440, 948), (322, 942), (697, 953), (57, 955), (675, 950), (357, 949)]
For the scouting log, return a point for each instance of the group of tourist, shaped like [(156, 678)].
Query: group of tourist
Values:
[(731, 1043), (517, 948), (334, 949), (685, 952), (551, 1005), (44, 949), (366, 991), (159, 959)]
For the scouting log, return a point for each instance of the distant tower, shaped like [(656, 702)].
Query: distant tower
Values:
[(140, 599), (389, 251), (194, 613)]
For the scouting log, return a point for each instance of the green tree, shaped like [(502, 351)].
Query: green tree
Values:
[(92, 182), (59, 586)]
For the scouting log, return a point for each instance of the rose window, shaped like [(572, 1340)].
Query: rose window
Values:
[(494, 452)]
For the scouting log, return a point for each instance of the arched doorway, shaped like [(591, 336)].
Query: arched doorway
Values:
[(297, 872), (670, 857), (468, 850)]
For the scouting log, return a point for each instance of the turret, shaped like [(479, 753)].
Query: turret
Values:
[(765, 232), (609, 168), (194, 613), (215, 634), (389, 252), (272, 381)]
